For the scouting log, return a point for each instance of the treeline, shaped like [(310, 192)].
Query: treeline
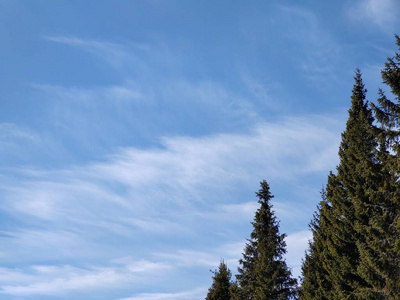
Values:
[(355, 249)]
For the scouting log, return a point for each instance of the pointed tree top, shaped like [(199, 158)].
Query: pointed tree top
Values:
[(264, 193)]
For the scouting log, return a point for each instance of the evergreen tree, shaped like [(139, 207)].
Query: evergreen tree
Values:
[(380, 258), (220, 289), (263, 273), (315, 280), (351, 194), (341, 233), (235, 290)]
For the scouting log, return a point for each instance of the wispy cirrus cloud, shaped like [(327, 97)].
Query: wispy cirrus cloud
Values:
[(194, 294), (169, 86), (59, 280), (160, 191), (100, 117), (54, 280), (384, 14), (319, 53), (9, 131), (112, 93), (182, 166), (116, 54), (14, 140), (263, 91)]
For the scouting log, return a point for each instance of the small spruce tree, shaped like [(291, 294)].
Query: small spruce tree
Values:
[(220, 289), (263, 274)]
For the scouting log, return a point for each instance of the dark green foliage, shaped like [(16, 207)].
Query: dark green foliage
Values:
[(355, 251), (380, 258), (334, 254), (246, 277), (220, 289), (263, 273), (235, 291), (350, 194), (316, 283), (391, 73)]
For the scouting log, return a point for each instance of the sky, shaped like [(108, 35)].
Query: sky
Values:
[(134, 134)]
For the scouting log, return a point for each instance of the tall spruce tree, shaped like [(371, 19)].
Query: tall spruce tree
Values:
[(348, 194), (340, 234), (380, 259), (263, 274), (220, 289)]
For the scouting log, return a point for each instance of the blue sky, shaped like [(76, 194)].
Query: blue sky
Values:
[(134, 134)]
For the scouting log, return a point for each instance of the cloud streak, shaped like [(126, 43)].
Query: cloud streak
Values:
[(319, 52), (179, 173), (114, 53), (195, 294), (53, 280), (12, 131), (384, 14)]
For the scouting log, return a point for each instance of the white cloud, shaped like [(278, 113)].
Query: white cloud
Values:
[(195, 294), (135, 182), (144, 266), (297, 244), (60, 280), (99, 118), (14, 140), (239, 211), (10, 276), (12, 131), (263, 90), (86, 97), (319, 53), (303, 143), (154, 225), (382, 13), (114, 53), (190, 258), (57, 286), (204, 97)]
